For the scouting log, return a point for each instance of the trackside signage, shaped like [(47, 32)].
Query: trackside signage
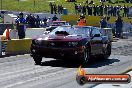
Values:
[(83, 78)]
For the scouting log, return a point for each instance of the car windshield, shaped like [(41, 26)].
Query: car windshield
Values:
[(72, 30)]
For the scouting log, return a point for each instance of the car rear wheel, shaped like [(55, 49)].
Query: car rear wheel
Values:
[(37, 59), (108, 52), (86, 56)]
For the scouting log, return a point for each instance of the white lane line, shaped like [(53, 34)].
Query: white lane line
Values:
[(41, 77), (16, 76), (20, 71)]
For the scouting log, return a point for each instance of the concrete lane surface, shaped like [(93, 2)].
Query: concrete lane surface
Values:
[(20, 72)]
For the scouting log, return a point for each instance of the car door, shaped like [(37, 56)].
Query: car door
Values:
[(96, 41)]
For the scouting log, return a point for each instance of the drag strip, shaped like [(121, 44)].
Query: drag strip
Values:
[(20, 71)]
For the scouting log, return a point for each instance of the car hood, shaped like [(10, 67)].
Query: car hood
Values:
[(61, 37)]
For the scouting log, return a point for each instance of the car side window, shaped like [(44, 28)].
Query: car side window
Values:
[(95, 31)]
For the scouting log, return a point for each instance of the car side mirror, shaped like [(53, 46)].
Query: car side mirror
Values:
[(96, 35)]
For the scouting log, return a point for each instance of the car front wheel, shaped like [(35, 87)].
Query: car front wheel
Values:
[(86, 56), (108, 52), (37, 59)]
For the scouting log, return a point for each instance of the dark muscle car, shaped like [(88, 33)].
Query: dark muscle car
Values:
[(81, 42)]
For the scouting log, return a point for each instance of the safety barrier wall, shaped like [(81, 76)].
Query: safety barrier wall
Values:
[(18, 46), (91, 20)]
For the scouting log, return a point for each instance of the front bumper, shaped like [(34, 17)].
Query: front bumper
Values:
[(44, 51)]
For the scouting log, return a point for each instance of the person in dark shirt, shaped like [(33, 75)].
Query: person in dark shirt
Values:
[(20, 23), (101, 10), (54, 18), (103, 23), (94, 10), (55, 9), (115, 10), (51, 8), (105, 10), (119, 25), (84, 10), (37, 21), (45, 21), (61, 9), (127, 10), (76, 8)]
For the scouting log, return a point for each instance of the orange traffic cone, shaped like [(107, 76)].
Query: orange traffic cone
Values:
[(7, 34)]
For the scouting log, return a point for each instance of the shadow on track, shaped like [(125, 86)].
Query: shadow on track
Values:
[(74, 64)]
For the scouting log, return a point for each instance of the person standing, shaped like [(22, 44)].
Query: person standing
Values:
[(20, 25), (45, 21), (81, 21), (84, 10), (54, 18), (119, 25), (55, 9), (103, 23), (101, 10), (51, 8), (49, 21), (59, 9), (76, 8), (37, 21)]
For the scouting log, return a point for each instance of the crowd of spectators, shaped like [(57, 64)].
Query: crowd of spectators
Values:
[(55, 9), (32, 21), (100, 10)]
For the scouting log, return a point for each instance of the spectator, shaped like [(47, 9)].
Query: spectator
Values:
[(127, 10), (118, 10), (20, 23), (115, 11), (84, 10), (86, 1), (109, 10), (55, 9), (112, 11), (101, 10), (54, 18), (49, 21), (33, 20), (89, 8), (79, 8), (37, 21), (97, 10), (61, 9), (103, 23), (94, 10), (81, 21), (119, 25), (51, 8), (105, 10), (45, 22), (28, 20), (91, 2), (76, 8)]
